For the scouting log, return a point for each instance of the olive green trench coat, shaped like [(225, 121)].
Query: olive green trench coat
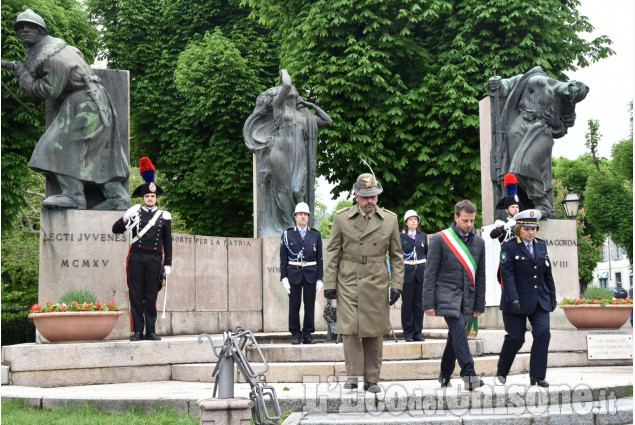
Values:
[(355, 266)]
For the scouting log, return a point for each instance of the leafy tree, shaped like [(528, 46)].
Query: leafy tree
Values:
[(609, 196), (327, 222), (609, 205), (574, 173), (197, 69), (20, 268), (622, 153), (22, 116), (593, 137), (402, 80)]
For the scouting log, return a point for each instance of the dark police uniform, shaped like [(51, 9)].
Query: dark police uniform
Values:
[(414, 252), (144, 265), (301, 263), (528, 279)]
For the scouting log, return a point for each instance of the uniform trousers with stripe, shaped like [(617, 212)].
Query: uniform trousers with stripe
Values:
[(144, 268), (304, 291)]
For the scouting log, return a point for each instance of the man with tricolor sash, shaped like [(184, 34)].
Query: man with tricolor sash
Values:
[(454, 288)]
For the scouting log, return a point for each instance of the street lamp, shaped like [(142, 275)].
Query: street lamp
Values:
[(571, 204)]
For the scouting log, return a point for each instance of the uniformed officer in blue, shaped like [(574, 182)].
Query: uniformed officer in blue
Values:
[(150, 252), (414, 244), (301, 272), (529, 292)]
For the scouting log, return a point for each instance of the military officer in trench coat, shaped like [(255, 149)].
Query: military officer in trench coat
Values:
[(356, 274)]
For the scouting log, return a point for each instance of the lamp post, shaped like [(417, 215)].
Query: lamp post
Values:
[(571, 204)]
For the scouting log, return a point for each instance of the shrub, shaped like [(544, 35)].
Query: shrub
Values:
[(80, 295), (597, 293)]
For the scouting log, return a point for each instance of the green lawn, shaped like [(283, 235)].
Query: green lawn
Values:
[(14, 413)]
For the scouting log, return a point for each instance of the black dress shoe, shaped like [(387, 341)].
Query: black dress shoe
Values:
[(137, 336), (445, 382), (372, 387), (500, 380), (295, 341), (308, 340), (473, 381), (351, 384), (538, 381), (418, 338), (409, 340), (153, 337)]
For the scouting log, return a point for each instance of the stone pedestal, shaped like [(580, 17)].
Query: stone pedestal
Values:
[(230, 411), (487, 187), (79, 251)]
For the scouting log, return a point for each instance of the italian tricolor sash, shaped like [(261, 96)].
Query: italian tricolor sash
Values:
[(459, 249)]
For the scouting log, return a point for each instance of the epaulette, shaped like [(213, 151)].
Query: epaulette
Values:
[(341, 210), (166, 215), (518, 239), (389, 212), (538, 239)]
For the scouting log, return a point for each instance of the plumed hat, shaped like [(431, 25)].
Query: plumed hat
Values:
[(511, 185), (367, 185), (147, 171)]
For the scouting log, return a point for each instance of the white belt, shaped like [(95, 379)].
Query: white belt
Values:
[(303, 263), (413, 262)]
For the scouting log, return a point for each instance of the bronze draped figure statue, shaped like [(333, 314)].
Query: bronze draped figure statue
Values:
[(534, 110), (282, 134), (81, 145)]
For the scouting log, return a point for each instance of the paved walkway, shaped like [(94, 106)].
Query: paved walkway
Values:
[(321, 398)]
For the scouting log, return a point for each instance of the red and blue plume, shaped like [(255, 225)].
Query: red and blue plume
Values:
[(511, 184), (147, 170)]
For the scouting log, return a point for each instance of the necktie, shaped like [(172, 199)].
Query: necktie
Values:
[(412, 234), (530, 247), (302, 233)]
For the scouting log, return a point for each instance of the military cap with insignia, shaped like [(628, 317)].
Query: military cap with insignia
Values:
[(367, 185), (147, 171), (528, 218)]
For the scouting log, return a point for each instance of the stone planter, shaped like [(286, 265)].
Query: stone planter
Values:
[(597, 317), (75, 326)]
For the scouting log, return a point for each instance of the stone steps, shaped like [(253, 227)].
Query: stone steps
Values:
[(182, 358), (620, 413), (572, 389)]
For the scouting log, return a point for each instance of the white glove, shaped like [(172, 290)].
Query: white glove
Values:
[(131, 212), (499, 223), (285, 283), (510, 224), (318, 286), (167, 270)]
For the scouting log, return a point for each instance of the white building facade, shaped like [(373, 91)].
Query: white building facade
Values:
[(614, 271)]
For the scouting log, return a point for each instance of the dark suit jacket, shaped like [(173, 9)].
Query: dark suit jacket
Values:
[(525, 278), (447, 287), (420, 243), (311, 249)]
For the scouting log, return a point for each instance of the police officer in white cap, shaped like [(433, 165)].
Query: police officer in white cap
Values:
[(301, 272), (529, 292), (414, 244)]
